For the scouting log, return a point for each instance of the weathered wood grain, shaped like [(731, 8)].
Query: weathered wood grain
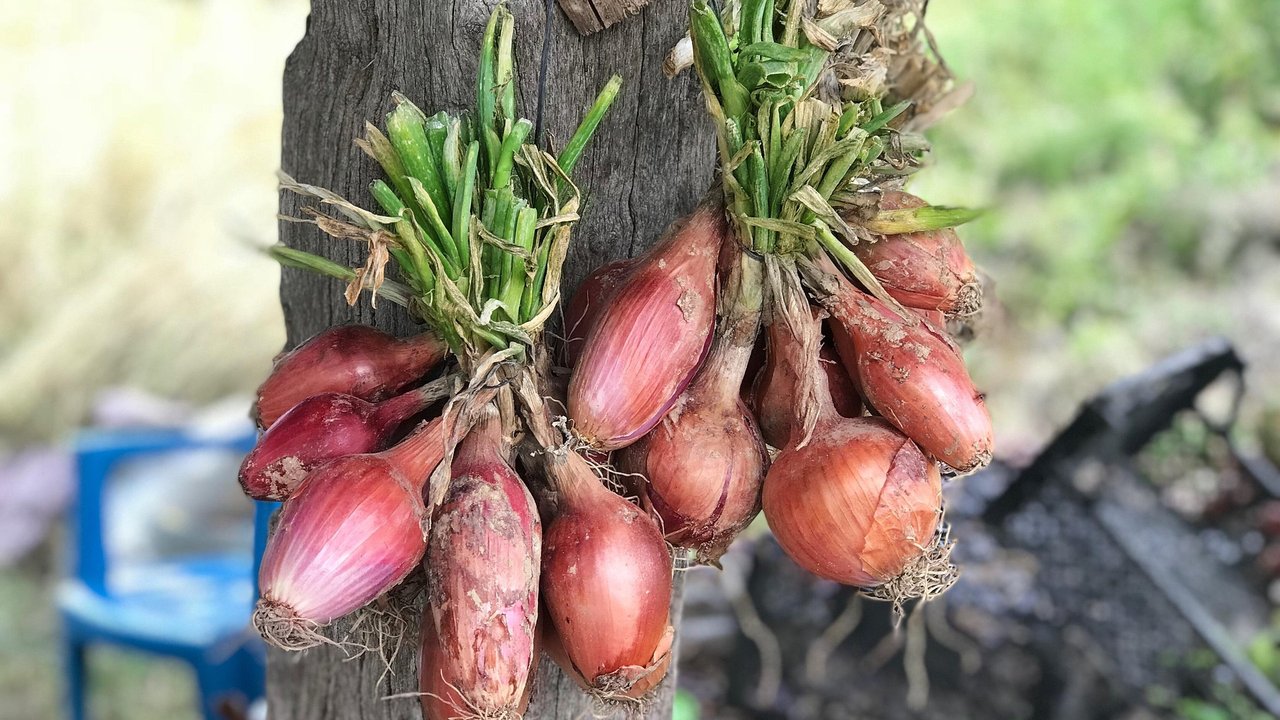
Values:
[(651, 161), (590, 16)]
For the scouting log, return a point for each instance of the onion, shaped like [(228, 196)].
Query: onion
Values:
[(320, 428), (551, 645), (928, 270), (352, 359), (858, 503), (584, 308), (439, 697), (844, 392), (482, 583), (606, 584), (354, 530), (705, 462), (914, 376), (649, 340), (774, 395)]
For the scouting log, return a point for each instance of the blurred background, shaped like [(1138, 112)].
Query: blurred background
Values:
[(1130, 155)]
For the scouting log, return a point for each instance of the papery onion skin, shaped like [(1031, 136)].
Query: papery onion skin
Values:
[(352, 359), (588, 303), (355, 529), (483, 566), (348, 535), (643, 681), (704, 463), (844, 392), (439, 694), (316, 430), (439, 698), (650, 339), (857, 504), (928, 270), (914, 376), (774, 395), (606, 582), (936, 318)]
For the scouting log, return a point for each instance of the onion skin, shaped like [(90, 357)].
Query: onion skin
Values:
[(844, 392), (588, 302), (774, 395), (845, 353), (641, 685), (482, 586), (345, 538), (926, 270), (355, 529), (321, 428), (914, 376), (704, 463), (439, 699), (606, 583), (936, 318), (351, 359), (857, 504), (648, 342), (755, 369)]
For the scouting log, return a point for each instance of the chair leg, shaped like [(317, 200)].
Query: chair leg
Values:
[(219, 689), (74, 659), (251, 663)]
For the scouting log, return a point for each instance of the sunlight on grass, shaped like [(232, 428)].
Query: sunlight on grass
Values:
[(138, 142)]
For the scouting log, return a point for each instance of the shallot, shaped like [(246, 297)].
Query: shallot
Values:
[(355, 529), (647, 343), (606, 584), (352, 359)]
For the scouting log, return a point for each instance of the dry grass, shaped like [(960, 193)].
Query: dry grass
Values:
[(138, 141)]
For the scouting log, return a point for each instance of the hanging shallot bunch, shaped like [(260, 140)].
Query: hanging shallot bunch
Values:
[(855, 501)]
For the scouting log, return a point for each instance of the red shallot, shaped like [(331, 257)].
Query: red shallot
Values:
[(606, 584), (482, 586), (650, 338), (320, 428), (352, 359), (354, 530)]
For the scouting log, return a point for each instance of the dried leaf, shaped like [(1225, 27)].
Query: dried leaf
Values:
[(679, 58), (371, 276), (819, 36)]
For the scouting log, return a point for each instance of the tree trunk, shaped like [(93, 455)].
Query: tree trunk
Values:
[(649, 163)]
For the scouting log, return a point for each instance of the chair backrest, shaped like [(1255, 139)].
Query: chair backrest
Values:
[(98, 453)]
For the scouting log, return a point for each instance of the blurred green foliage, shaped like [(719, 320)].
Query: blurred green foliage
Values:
[(1126, 151), (686, 706), (1094, 128)]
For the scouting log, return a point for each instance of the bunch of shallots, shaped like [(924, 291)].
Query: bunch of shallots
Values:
[(429, 452), (811, 250), (400, 455)]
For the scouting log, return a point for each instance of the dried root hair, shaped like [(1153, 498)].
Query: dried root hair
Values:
[(280, 625), (924, 578)]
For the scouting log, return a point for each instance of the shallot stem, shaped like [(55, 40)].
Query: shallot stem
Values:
[(573, 149)]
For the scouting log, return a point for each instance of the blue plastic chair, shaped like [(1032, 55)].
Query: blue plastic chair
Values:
[(195, 609)]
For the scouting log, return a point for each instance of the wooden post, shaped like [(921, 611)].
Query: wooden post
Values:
[(650, 163)]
